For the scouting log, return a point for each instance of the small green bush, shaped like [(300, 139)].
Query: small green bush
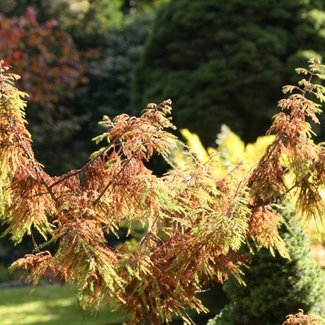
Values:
[(276, 286)]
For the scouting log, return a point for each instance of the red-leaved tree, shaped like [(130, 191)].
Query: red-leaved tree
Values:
[(46, 58)]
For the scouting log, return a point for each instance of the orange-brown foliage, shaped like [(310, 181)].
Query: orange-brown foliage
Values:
[(44, 56), (193, 222), (302, 319)]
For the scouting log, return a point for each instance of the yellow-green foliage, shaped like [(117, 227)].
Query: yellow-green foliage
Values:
[(18, 165), (232, 158), (11, 113), (231, 151)]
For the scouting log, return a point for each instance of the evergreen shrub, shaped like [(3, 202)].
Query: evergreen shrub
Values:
[(276, 286), (215, 59)]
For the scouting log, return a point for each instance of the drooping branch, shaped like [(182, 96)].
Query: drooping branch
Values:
[(192, 222)]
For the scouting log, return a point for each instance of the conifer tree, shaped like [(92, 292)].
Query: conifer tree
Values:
[(276, 286), (194, 221)]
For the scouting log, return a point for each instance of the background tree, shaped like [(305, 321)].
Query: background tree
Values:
[(51, 67), (80, 18), (90, 22), (41, 52), (110, 78), (201, 53)]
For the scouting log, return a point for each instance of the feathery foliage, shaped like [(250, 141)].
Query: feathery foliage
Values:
[(277, 286), (194, 219)]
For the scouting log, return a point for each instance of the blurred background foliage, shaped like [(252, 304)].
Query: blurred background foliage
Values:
[(76, 61), (226, 61), (219, 61), (51, 69)]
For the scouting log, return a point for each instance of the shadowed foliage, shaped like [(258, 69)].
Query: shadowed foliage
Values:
[(225, 61)]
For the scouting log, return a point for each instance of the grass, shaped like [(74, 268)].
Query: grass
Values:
[(46, 305), (55, 305)]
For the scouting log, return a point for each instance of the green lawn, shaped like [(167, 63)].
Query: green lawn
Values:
[(46, 305)]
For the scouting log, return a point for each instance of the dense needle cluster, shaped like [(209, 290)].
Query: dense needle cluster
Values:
[(193, 219)]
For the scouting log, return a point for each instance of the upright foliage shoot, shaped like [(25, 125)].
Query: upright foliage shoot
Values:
[(194, 220)]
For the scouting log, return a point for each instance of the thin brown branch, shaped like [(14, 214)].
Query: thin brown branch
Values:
[(120, 171), (111, 181), (74, 173), (38, 171)]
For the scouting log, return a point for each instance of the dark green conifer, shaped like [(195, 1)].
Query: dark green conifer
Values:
[(276, 286), (215, 59)]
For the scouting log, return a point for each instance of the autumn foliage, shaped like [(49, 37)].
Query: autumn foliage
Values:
[(43, 55), (193, 221), (302, 319)]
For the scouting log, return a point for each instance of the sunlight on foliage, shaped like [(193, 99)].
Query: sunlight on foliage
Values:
[(194, 218), (230, 153), (232, 156)]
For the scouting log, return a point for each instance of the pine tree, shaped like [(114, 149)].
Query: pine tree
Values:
[(194, 221)]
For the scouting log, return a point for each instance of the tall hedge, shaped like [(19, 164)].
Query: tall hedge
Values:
[(276, 286), (225, 61)]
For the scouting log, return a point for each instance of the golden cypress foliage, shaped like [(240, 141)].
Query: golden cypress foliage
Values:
[(193, 219)]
